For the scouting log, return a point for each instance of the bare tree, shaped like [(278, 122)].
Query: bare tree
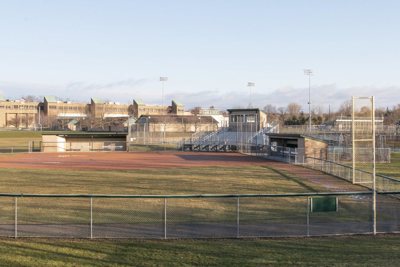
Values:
[(32, 98), (270, 109), (195, 110), (318, 110), (281, 114), (345, 108), (293, 109)]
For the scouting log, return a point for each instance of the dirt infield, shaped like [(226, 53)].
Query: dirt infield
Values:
[(125, 161)]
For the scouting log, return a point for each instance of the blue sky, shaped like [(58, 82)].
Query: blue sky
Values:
[(209, 50)]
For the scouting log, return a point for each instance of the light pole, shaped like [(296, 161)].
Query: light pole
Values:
[(39, 121), (144, 133), (163, 80), (250, 84), (309, 72), (146, 124)]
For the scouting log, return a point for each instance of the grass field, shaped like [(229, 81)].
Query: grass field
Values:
[(327, 251), (18, 139), (169, 181), (333, 251), (212, 180), (391, 169)]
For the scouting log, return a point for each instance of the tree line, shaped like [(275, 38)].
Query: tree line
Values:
[(294, 114)]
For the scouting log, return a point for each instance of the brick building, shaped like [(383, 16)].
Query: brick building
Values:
[(177, 123), (18, 113), (139, 109), (100, 109)]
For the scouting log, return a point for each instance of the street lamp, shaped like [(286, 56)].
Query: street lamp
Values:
[(250, 84), (309, 72)]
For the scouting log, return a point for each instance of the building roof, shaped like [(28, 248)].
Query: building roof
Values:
[(176, 119), (244, 109), (51, 99), (138, 101), (98, 100), (88, 134), (177, 103), (294, 136)]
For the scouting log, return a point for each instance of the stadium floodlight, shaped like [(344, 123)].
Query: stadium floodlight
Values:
[(309, 73), (250, 85)]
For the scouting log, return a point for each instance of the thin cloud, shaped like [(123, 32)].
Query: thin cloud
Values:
[(149, 91)]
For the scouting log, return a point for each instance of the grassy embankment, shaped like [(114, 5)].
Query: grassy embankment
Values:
[(327, 251)]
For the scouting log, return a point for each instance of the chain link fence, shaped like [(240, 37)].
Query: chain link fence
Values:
[(383, 183), (196, 216)]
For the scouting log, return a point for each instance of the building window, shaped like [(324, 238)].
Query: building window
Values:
[(250, 118)]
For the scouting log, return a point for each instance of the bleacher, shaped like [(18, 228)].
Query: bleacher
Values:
[(225, 140)]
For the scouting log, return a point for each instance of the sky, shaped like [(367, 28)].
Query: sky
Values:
[(209, 50)]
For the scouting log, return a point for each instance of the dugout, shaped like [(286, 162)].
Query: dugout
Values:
[(83, 142), (296, 147)]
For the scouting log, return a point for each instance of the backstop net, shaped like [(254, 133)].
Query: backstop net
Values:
[(363, 140)]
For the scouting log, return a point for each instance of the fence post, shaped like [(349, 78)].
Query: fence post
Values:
[(238, 217), (308, 216), (16, 218), (165, 218), (91, 217)]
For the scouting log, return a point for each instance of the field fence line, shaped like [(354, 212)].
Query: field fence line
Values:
[(326, 161), (196, 216)]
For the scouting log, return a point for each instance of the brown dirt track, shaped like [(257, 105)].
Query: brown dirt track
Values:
[(125, 161)]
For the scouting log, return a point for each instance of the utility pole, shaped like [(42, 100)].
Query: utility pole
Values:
[(163, 80), (250, 85), (309, 72)]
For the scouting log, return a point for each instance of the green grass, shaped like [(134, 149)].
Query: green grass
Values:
[(328, 251), (391, 169), (18, 139), (196, 180), (332, 251), (151, 147), (175, 181), (20, 134)]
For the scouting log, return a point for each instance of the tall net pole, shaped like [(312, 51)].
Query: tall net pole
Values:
[(374, 160), (363, 130)]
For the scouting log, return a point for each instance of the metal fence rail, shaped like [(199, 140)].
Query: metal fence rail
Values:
[(383, 183), (193, 216)]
